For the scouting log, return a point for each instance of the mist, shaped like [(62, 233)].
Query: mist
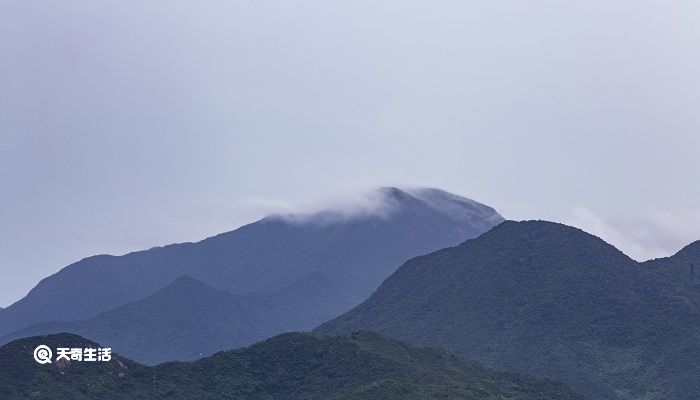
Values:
[(125, 125)]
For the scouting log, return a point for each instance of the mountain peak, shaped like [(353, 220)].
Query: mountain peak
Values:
[(388, 201), (553, 237), (184, 286), (690, 252), (337, 257), (187, 281), (426, 194), (530, 297), (455, 206), (64, 338), (186, 291)]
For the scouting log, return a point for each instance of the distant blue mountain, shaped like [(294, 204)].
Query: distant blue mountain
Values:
[(308, 267), (185, 320)]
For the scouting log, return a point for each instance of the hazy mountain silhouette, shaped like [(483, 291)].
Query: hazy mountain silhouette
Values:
[(187, 320), (320, 265), (290, 366), (550, 300), (183, 321)]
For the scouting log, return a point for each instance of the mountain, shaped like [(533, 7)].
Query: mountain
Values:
[(332, 257), (549, 300), (183, 321), (291, 366), (287, 273), (681, 271)]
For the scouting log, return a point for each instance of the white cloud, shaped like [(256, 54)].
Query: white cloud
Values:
[(333, 208), (641, 234)]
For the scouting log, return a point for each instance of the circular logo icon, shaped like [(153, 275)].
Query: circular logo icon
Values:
[(43, 354)]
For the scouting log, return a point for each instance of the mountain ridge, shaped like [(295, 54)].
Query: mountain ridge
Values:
[(320, 264), (545, 299), (359, 366), (185, 320)]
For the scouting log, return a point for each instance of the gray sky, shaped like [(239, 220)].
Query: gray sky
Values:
[(126, 125)]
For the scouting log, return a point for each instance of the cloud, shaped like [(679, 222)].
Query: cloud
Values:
[(327, 209), (641, 234)]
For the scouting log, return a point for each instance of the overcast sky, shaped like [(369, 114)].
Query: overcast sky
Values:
[(130, 124)]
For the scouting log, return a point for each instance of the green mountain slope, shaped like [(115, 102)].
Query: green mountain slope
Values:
[(549, 300), (292, 366), (681, 271)]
